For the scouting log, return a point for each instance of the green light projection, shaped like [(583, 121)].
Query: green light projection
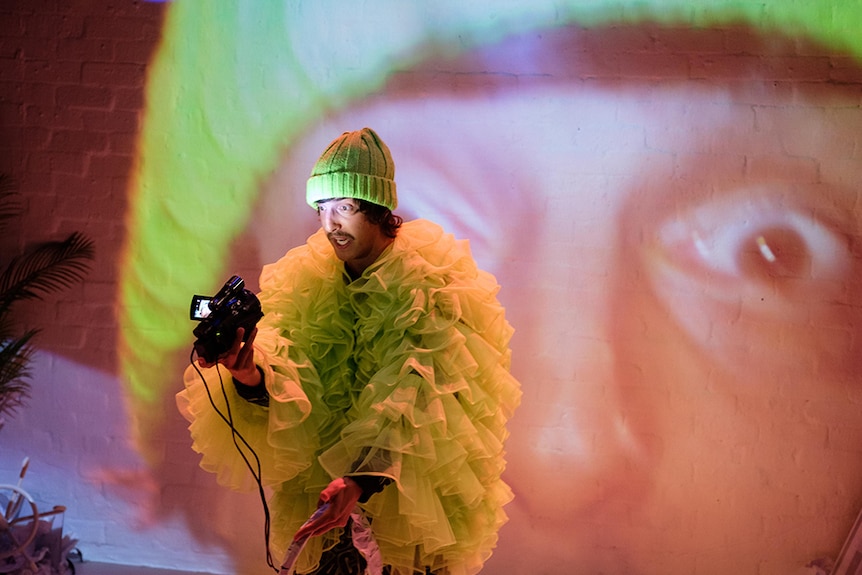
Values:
[(235, 82)]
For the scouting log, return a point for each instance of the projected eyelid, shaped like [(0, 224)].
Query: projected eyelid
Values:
[(753, 237), (757, 275)]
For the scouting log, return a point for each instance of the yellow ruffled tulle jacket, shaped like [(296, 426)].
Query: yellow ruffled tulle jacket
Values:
[(402, 373)]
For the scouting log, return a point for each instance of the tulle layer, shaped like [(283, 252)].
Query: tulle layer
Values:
[(403, 373)]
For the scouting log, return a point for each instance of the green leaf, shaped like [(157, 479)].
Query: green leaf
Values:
[(10, 205), (15, 355), (49, 267)]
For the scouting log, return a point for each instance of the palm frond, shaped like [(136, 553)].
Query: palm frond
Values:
[(15, 355), (50, 266), (10, 205), (47, 267)]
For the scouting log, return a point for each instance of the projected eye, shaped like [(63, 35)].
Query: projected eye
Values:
[(756, 276), (753, 245)]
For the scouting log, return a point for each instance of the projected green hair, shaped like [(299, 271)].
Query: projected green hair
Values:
[(235, 82)]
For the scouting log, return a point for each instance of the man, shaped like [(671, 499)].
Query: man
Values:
[(378, 375)]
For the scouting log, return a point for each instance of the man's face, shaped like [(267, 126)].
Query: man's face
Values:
[(682, 272), (356, 241)]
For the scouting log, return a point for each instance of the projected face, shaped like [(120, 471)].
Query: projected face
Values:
[(680, 263)]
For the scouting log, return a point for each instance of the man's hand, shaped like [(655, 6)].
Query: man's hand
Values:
[(341, 495), (239, 359)]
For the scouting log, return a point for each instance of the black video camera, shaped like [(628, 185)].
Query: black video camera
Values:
[(220, 317)]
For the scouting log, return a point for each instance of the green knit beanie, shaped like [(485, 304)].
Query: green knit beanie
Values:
[(355, 165)]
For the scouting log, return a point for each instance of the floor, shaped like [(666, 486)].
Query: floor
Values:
[(90, 568)]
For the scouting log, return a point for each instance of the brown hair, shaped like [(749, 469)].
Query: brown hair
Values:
[(382, 216)]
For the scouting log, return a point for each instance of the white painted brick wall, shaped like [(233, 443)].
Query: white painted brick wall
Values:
[(72, 79)]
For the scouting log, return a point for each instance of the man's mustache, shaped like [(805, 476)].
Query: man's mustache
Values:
[(339, 235)]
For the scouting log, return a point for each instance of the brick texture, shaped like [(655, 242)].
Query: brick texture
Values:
[(72, 83)]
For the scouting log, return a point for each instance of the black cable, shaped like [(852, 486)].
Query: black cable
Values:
[(236, 435)]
